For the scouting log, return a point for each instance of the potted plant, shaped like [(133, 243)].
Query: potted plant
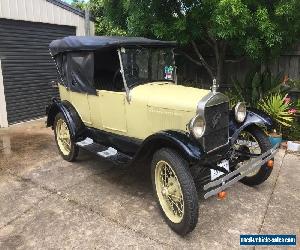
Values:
[(278, 106), (275, 137)]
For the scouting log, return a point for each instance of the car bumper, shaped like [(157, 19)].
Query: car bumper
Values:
[(216, 186)]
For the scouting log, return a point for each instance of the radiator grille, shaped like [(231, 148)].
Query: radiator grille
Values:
[(217, 123)]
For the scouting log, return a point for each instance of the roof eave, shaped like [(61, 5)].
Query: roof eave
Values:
[(70, 8)]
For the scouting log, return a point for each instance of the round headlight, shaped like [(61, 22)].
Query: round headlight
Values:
[(197, 126), (240, 112)]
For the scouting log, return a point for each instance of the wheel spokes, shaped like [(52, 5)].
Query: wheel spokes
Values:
[(175, 197), (178, 208), (248, 141), (165, 175), (63, 136), (171, 190)]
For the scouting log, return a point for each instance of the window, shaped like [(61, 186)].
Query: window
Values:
[(61, 63), (142, 65), (107, 74), (76, 71), (81, 71)]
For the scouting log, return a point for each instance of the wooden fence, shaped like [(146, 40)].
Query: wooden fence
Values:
[(190, 74)]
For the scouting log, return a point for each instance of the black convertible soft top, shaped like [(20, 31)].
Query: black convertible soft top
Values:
[(78, 43)]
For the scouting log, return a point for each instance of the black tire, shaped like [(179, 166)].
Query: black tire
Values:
[(188, 189), (264, 144), (73, 153)]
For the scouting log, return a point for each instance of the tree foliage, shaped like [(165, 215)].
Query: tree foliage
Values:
[(110, 17), (79, 4), (258, 29)]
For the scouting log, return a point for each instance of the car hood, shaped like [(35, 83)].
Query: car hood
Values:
[(169, 96)]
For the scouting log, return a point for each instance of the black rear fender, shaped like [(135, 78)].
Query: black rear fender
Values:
[(73, 119)]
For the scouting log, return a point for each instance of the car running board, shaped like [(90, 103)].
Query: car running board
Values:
[(108, 153)]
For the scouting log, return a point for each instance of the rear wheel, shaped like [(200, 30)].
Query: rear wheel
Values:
[(254, 141), (175, 190), (66, 146)]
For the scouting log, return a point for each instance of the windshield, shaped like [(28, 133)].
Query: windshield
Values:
[(142, 65)]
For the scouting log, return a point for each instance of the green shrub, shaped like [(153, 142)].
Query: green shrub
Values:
[(278, 107), (256, 86), (269, 93), (291, 133), (234, 98)]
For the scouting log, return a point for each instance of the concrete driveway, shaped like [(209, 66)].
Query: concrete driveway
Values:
[(48, 203)]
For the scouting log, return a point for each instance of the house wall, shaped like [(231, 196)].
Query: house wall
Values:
[(44, 12), (3, 113), (41, 11)]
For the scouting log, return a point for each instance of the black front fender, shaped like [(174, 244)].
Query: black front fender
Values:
[(70, 114), (254, 117), (189, 148)]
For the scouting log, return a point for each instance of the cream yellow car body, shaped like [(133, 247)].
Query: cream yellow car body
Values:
[(152, 107), (187, 138)]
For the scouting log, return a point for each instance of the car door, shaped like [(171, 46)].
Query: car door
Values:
[(81, 104), (80, 80), (108, 111)]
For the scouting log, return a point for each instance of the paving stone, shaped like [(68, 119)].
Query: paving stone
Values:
[(98, 205), (16, 197), (283, 214), (58, 224)]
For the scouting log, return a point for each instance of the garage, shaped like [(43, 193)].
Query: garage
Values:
[(27, 69)]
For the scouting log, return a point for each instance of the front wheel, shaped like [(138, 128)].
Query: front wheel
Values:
[(254, 141), (175, 190)]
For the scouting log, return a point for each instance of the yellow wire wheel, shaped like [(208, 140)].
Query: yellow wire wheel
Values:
[(249, 141), (175, 190), (66, 145), (253, 140), (169, 191), (63, 136)]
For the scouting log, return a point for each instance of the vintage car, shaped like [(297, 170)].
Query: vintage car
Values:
[(119, 99)]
